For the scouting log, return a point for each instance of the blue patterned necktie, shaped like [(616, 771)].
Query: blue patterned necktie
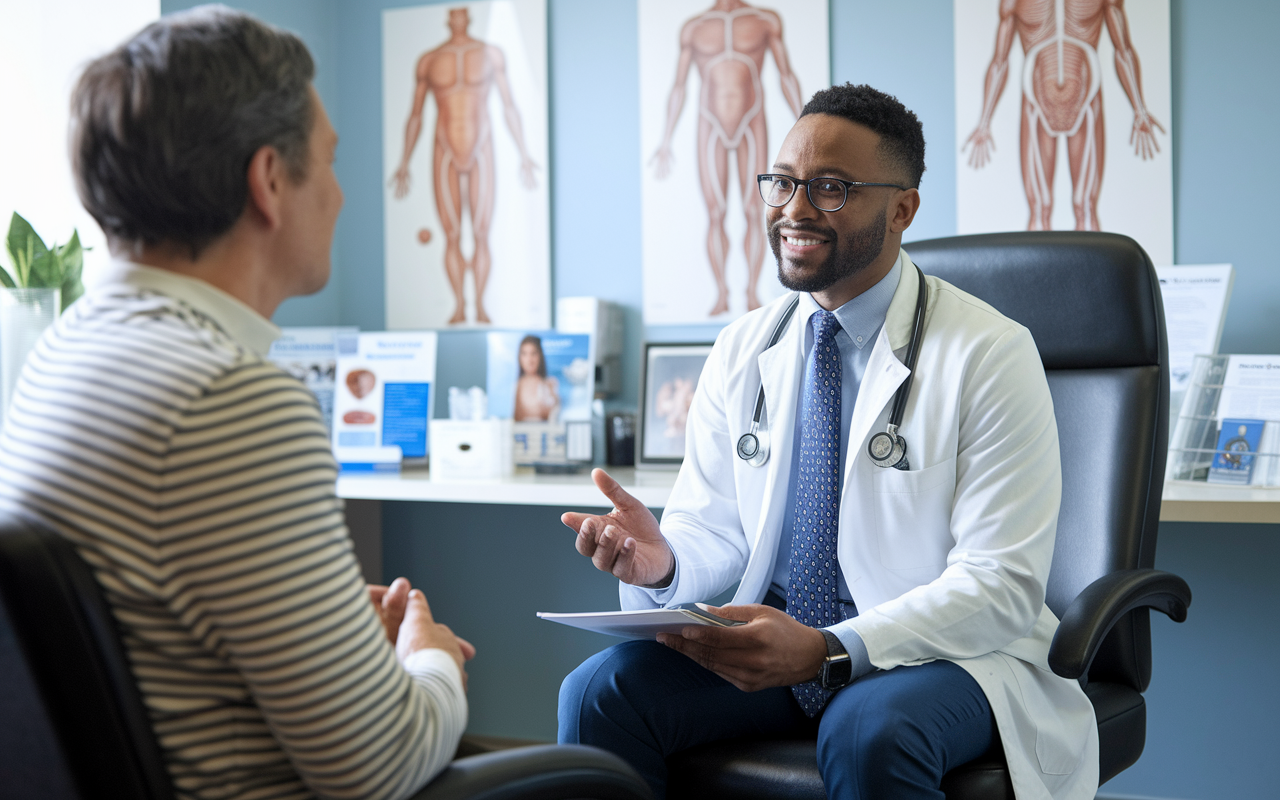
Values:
[(812, 596)]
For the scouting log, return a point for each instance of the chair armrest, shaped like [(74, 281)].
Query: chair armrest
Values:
[(1092, 614), (547, 772)]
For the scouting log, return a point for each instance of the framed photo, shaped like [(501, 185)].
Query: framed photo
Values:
[(667, 383)]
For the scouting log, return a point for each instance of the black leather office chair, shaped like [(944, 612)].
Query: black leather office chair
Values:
[(1092, 302), (73, 727)]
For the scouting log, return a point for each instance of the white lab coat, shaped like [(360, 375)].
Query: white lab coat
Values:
[(946, 561)]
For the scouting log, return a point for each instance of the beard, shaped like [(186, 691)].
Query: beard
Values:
[(847, 257)]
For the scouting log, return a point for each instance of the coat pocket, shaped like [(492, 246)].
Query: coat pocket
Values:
[(913, 515)]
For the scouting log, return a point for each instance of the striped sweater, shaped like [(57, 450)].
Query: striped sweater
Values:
[(196, 479)]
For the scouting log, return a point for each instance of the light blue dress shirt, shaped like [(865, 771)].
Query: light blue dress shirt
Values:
[(860, 321)]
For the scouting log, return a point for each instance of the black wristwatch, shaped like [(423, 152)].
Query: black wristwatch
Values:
[(837, 668)]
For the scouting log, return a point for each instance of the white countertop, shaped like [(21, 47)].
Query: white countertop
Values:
[(651, 487), (1196, 501), (1184, 501)]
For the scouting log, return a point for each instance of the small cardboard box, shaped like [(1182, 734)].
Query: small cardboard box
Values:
[(471, 450)]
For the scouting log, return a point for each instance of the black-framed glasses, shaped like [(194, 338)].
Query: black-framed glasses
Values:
[(826, 194)]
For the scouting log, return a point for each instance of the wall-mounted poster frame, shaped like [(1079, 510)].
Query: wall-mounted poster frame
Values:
[(465, 157), (668, 380), (1063, 118), (721, 84)]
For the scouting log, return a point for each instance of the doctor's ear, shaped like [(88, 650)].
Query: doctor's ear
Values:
[(903, 210)]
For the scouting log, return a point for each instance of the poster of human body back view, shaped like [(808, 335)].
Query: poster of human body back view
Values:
[(465, 165), (1063, 111), (721, 83)]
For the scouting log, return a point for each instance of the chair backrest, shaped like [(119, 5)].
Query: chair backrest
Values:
[(1092, 303), (74, 723)]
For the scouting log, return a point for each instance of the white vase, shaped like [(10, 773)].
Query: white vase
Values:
[(24, 314)]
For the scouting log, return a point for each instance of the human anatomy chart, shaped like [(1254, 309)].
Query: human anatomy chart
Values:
[(465, 158), (1062, 117), (721, 83)]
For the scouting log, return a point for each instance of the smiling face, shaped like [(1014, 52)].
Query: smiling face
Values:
[(530, 359), (837, 255)]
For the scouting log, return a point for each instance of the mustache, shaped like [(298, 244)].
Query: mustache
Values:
[(775, 230)]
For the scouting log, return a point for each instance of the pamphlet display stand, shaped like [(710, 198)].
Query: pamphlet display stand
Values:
[(1228, 428)]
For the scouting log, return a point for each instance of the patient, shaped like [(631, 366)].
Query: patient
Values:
[(193, 475)]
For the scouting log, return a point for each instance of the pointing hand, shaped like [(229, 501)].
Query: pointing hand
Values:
[(626, 542)]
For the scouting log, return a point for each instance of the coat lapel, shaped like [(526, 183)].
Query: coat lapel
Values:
[(780, 368), (885, 372)]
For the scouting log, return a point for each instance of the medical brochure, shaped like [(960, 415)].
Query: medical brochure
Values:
[(540, 380), (645, 624), (383, 397), (1233, 460), (311, 356), (1195, 307)]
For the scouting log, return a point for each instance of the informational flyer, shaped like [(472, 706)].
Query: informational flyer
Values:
[(1251, 388), (383, 396), (1233, 461), (540, 376), (1195, 307), (311, 356)]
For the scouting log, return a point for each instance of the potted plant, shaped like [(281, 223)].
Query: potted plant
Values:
[(40, 283)]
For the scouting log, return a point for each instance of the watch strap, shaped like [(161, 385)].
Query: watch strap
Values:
[(834, 646), (836, 671)]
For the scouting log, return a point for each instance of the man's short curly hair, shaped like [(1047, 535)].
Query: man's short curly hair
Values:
[(901, 136)]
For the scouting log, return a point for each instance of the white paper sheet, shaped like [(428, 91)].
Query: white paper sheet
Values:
[(1195, 306), (1251, 388)]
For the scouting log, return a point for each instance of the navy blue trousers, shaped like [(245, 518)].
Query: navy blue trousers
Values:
[(889, 734)]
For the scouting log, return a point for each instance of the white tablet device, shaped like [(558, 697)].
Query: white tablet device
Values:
[(645, 624)]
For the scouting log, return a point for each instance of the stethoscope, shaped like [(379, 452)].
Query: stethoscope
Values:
[(887, 449)]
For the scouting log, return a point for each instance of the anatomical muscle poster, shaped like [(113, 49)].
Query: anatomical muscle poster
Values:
[(465, 154), (1063, 112), (721, 83)]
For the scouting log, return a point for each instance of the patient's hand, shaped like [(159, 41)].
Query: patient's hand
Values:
[(626, 542), (389, 602), (393, 604), (419, 631)]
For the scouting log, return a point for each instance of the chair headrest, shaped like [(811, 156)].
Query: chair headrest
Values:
[(1090, 300)]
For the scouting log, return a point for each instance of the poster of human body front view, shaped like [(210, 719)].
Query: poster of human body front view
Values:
[(1063, 111), (465, 165), (721, 83)]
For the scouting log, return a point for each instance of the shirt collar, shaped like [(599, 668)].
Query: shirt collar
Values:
[(246, 326), (862, 316)]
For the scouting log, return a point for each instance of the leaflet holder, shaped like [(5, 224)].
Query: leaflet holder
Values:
[(1246, 453)]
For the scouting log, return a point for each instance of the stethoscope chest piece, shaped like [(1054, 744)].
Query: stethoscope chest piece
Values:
[(887, 449), (753, 448)]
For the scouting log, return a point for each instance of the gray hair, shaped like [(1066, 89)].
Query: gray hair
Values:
[(163, 127)]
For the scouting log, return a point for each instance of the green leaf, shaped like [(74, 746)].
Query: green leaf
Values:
[(46, 271), (72, 257), (71, 291), (5, 280), (72, 254), (24, 246)]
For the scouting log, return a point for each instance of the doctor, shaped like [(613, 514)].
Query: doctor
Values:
[(898, 613)]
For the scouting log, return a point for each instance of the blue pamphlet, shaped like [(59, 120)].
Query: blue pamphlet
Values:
[(1234, 457)]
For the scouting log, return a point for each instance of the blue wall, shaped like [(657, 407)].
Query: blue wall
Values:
[(1213, 703)]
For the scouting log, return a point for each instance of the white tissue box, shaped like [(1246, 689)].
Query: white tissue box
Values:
[(471, 450)]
